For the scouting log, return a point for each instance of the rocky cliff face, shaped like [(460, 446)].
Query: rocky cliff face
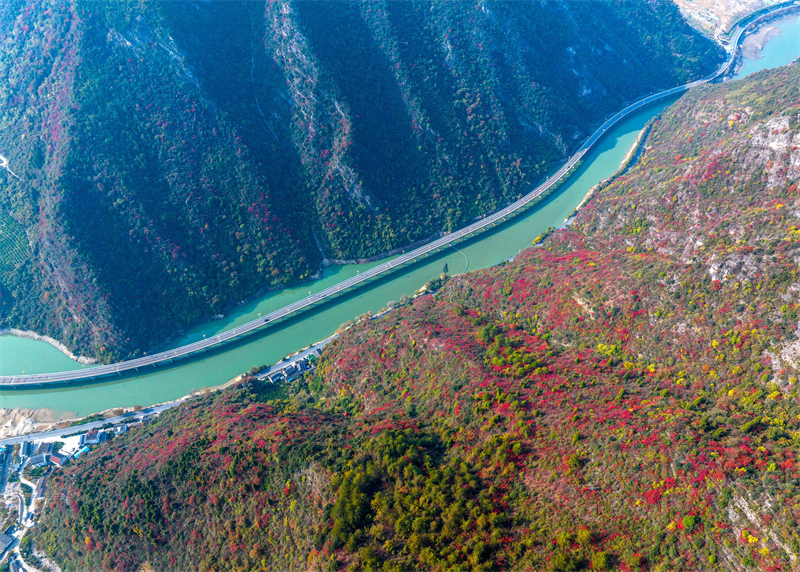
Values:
[(177, 157)]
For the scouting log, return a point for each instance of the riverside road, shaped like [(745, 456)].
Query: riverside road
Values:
[(193, 349)]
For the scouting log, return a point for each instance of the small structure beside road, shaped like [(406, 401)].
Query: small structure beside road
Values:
[(58, 460), (276, 377), (45, 449), (5, 542), (93, 437), (295, 366), (291, 372), (38, 461), (81, 452)]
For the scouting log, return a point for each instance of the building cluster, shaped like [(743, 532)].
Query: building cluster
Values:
[(44, 455), (293, 369), (38, 454), (41, 456)]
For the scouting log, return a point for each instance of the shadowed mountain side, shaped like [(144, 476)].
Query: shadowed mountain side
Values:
[(178, 157)]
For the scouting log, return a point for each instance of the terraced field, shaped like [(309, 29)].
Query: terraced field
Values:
[(14, 247)]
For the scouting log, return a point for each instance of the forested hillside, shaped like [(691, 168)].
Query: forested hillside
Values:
[(622, 397), (172, 158)]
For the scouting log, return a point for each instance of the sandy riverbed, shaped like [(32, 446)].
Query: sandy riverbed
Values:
[(753, 44), (15, 422)]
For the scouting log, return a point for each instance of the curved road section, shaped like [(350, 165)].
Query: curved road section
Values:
[(169, 356)]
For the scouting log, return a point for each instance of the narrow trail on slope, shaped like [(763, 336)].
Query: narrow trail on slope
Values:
[(255, 98), (253, 81)]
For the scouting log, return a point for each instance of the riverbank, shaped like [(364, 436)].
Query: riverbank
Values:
[(436, 235), (25, 421), (714, 18), (636, 150), (19, 422), (631, 158), (27, 334), (381, 255)]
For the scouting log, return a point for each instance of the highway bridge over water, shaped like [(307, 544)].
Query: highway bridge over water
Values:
[(490, 220)]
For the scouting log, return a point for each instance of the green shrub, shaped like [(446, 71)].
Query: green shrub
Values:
[(689, 522)]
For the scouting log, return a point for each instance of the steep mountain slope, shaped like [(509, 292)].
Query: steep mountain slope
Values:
[(621, 397), (172, 158)]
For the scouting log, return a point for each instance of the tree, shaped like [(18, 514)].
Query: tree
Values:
[(599, 561)]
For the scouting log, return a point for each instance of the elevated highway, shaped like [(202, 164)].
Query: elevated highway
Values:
[(490, 220)]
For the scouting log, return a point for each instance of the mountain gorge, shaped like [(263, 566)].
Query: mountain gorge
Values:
[(172, 158), (622, 396)]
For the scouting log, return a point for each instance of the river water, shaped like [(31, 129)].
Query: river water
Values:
[(19, 355)]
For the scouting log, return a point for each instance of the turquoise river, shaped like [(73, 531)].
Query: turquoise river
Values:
[(18, 355)]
